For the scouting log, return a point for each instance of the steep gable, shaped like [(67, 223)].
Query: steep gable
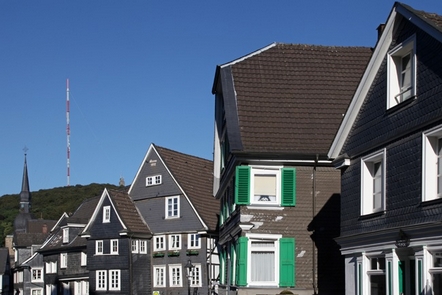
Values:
[(289, 98)]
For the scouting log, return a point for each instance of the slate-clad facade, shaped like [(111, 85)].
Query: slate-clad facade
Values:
[(118, 247), (276, 112), (172, 192), (388, 151)]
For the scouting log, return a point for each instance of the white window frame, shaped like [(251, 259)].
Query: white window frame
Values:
[(394, 76), (81, 287), (430, 163), (260, 170), (196, 276), (106, 214), (275, 249), (193, 241), (159, 243), (65, 235), (50, 289), (112, 250), (99, 247), (171, 213), (63, 260), (154, 180), (134, 246), (159, 276), (114, 285), (36, 291), (175, 242), (175, 270), (37, 274), (143, 246), (51, 267), (101, 280), (367, 182), (83, 259)]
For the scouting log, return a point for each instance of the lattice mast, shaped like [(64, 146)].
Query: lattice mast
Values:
[(68, 133)]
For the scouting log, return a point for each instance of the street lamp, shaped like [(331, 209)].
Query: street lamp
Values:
[(189, 267)]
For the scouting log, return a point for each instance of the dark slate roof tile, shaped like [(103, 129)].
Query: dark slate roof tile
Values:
[(195, 176)]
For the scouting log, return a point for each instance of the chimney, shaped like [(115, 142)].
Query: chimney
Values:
[(44, 229), (380, 30)]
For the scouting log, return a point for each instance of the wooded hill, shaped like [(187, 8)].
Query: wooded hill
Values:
[(47, 204)]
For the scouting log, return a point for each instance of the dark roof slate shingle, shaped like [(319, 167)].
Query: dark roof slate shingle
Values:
[(291, 98), (195, 176)]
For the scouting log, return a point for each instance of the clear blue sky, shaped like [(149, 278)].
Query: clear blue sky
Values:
[(140, 72)]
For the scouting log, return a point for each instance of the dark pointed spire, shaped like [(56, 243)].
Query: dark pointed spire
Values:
[(25, 194)]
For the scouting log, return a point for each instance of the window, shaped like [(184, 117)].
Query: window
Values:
[(432, 164), (401, 66), (50, 290), (172, 207), (51, 267), (101, 280), (106, 214), (159, 273), (66, 235), (174, 242), (63, 260), (37, 291), (193, 241), (436, 272), (99, 247), (264, 260), (376, 273), (114, 247), (81, 288), (266, 186), (114, 279), (143, 247), (153, 180), (159, 243), (66, 288), (373, 183), (134, 246), (175, 276), (83, 259), (196, 276), (37, 275)]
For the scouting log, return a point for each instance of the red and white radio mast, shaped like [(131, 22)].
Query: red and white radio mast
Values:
[(68, 132)]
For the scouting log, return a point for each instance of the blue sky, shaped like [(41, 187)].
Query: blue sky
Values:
[(140, 72)]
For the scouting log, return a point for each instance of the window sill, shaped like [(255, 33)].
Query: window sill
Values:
[(371, 215), (264, 207), (401, 105), (430, 202)]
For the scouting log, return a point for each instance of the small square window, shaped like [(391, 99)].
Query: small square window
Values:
[(153, 180), (264, 185), (134, 246), (193, 241), (373, 183), (173, 207), (401, 64), (37, 275), (106, 214)]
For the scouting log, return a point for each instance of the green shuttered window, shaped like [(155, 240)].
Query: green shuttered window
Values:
[(244, 189)]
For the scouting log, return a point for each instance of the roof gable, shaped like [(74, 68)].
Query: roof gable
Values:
[(290, 98), (429, 22)]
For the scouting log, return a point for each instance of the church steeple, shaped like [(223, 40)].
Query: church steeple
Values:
[(25, 194)]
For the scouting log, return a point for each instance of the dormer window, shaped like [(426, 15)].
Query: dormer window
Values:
[(65, 235), (153, 180), (106, 214), (401, 73)]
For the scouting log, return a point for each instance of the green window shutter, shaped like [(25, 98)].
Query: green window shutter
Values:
[(287, 262), (288, 185), (241, 269), (242, 185)]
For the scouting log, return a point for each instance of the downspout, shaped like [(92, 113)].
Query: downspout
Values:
[(313, 217)]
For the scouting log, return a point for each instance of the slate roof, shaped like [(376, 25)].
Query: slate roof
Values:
[(128, 212), (432, 19), (195, 177), (291, 98)]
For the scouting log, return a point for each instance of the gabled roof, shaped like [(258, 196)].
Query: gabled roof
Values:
[(127, 213), (428, 22), (194, 176), (289, 98)]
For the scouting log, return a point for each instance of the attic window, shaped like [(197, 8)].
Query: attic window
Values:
[(401, 72), (65, 235), (153, 180), (106, 214)]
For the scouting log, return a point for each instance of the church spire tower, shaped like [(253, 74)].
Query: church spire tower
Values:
[(25, 194)]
